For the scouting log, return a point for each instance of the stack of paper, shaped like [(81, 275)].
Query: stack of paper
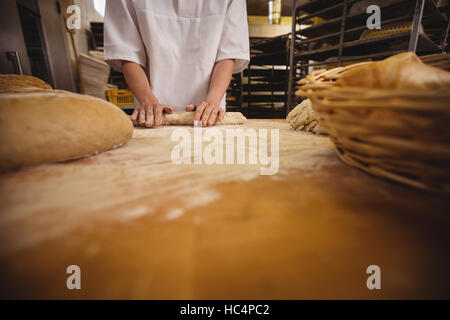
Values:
[(94, 76)]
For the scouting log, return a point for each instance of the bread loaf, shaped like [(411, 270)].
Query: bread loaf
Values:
[(10, 83), (52, 126), (404, 71)]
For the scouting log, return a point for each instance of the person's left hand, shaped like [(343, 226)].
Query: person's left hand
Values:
[(206, 112)]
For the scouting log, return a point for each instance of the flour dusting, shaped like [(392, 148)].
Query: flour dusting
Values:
[(173, 214), (134, 213), (134, 181)]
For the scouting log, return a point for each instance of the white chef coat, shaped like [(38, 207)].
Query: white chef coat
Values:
[(177, 42)]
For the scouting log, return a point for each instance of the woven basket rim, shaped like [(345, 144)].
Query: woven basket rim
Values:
[(441, 188), (350, 93)]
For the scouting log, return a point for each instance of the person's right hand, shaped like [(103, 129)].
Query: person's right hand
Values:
[(150, 115)]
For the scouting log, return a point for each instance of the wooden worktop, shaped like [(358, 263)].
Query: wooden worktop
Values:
[(140, 226)]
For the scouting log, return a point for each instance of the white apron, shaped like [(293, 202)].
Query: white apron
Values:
[(177, 42)]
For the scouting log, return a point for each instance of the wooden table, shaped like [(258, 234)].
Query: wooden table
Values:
[(140, 226)]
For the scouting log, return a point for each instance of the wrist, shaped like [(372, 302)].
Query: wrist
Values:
[(149, 101), (213, 99)]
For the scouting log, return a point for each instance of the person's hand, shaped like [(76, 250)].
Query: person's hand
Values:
[(206, 112), (150, 115)]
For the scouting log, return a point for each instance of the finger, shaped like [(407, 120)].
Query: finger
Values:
[(142, 116), (135, 114), (206, 114), (133, 121), (158, 113), (168, 109), (221, 114), (190, 107), (199, 111), (213, 117), (150, 118)]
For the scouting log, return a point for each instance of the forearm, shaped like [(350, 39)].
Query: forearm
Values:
[(150, 112), (138, 83), (220, 80)]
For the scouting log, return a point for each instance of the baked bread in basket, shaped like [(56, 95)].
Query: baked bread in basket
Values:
[(389, 118)]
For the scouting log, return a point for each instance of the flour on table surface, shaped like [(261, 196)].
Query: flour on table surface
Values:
[(136, 181)]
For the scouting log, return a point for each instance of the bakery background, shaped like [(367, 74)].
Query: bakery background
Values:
[(266, 89), (363, 179)]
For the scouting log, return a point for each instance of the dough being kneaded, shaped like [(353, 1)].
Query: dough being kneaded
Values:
[(187, 118), (52, 126)]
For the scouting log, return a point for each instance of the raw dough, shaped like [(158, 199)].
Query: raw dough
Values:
[(303, 117), (15, 83), (51, 126), (187, 118)]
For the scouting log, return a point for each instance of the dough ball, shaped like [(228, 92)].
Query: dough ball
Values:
[(52, 126), (10, 83), (304, 118)]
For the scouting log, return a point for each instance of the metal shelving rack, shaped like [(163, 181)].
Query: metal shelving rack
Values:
[(264, 89), (337, 39), (115, 77), (97, 33), (234, 93)]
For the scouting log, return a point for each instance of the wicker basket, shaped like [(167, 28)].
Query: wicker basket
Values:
[(401, 136), (439, 60), (325, 76)]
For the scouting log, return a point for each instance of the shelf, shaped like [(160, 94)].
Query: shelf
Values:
[(351, 34), (325, 9), (370, 46), (265, 73), (375, 56), (264, 111), (272, 80), (273, 44), (275, 58), (268, 87), (234, 92), (403, 8), (334, 25), (267, 78), (97, 32), (268, 98), (331, 10), (328, 44)]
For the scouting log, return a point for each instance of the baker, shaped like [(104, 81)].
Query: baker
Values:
[(177, 54)]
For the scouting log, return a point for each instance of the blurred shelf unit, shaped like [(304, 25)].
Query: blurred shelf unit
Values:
[(264, 83), (115, 78), (331, 33), (97, 33), (234, 93), (34, 42)]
